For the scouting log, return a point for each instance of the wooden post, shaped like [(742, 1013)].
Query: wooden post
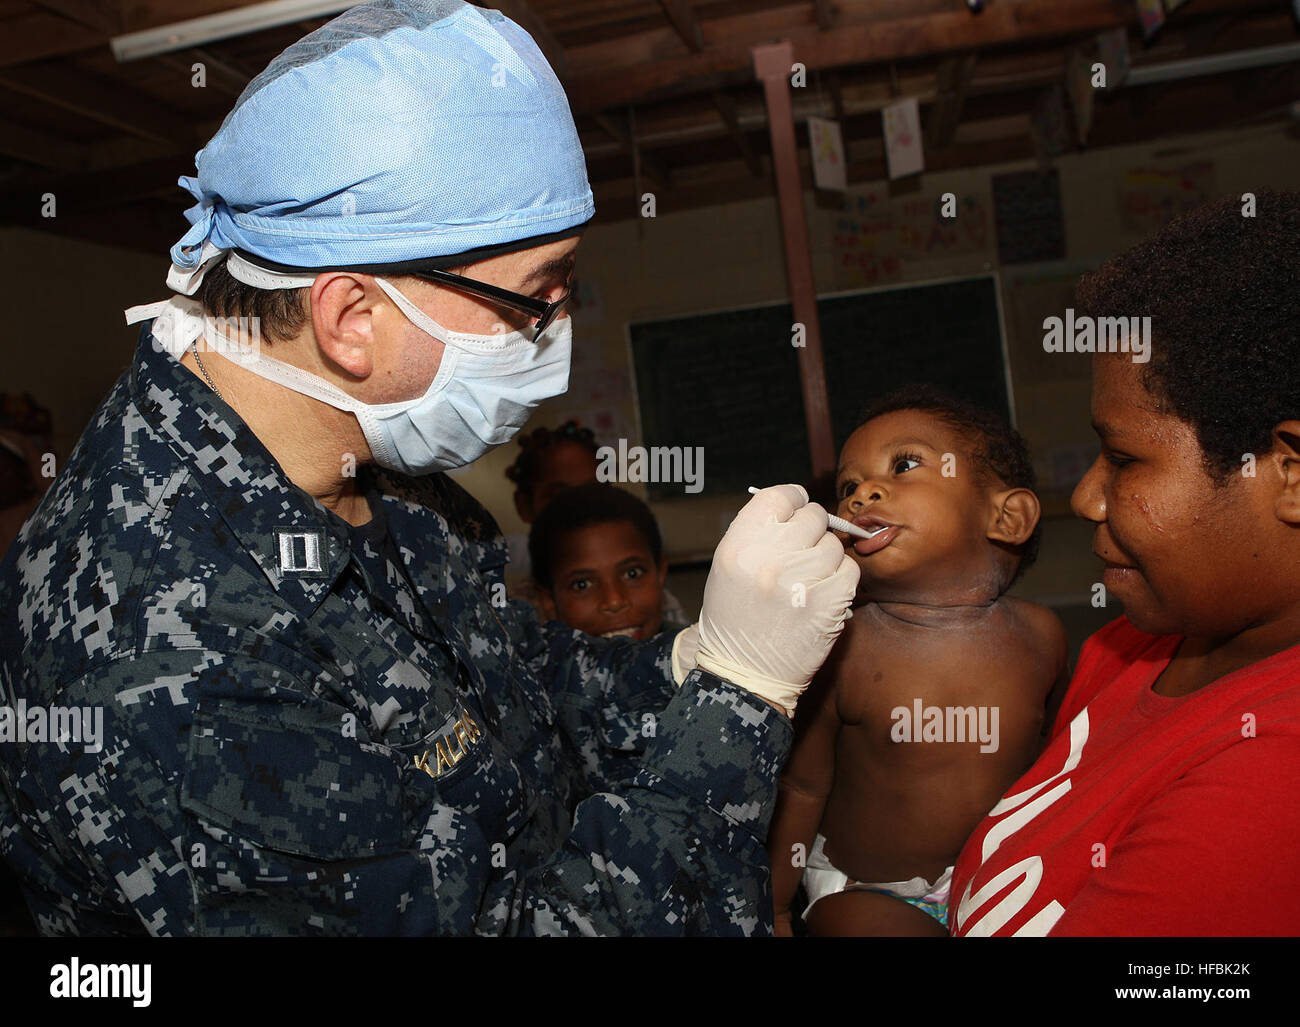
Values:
[(772, 66)]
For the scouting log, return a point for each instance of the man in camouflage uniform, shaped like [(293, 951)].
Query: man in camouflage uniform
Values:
[(321, 715)]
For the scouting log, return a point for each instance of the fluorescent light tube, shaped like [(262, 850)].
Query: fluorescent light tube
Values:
[(182, 35)]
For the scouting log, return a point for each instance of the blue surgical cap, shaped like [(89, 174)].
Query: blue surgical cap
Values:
[(402, 130)]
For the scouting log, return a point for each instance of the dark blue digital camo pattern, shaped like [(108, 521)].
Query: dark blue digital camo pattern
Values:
[(271, 737)]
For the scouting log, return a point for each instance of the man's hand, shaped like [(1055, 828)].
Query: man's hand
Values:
[(777, 597), (782, 925)]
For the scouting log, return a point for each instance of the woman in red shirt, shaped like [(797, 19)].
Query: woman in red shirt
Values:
[(1164, 801)]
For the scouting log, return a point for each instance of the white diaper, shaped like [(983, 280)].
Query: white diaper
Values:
[(820, 878)]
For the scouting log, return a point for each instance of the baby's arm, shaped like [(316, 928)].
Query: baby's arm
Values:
[(805, 785)]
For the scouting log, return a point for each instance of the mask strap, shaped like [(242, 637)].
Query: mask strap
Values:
[(413, 313), (484, 345), (291, 377)]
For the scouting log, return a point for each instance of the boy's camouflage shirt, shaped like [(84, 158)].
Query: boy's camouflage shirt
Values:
[(301, 738)]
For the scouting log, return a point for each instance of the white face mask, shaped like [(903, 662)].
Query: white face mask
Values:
[(485, 388)]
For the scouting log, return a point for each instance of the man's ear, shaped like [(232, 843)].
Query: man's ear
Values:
[(342, 317), (1285, 456), (1015, 516), (523, 506)]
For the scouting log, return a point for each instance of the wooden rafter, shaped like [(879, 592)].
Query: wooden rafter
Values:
[(78, 194), (40, 34), (825, 14), (953, 81), (106, 102), (682, 15), (223, 66), (40, 149), (837, 94), (182, 65), (950, 31), (92, 13), (621, 133), (727, 109)]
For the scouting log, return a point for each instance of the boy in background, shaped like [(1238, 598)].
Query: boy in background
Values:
[(598, 560), (551, 461)]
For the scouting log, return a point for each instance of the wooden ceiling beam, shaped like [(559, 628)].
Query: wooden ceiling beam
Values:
[(954, 78), (104, 101), (621, 134), (80, 194), (91, 13), (38, 148), (40, 34), (668, 126), (725, 57), (833, 86), (727, 109), (232, 71), (182, 65), (146, 227), (824, 12), (1004, 132), (682, 16)]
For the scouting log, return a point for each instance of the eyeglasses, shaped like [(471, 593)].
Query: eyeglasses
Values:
[(544, 312)]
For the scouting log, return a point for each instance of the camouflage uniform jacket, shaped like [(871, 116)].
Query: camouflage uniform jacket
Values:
[(300, 737)]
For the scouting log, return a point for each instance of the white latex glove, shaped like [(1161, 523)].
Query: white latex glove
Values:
[(685, 647), (777, 597)]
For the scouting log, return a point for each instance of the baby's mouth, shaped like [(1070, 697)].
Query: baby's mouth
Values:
[(882, 534), (632, 632)]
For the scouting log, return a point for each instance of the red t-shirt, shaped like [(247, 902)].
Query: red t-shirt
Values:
[(1147, 815)]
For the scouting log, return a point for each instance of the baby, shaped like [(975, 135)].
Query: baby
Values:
[(598, 560), (933, 701)]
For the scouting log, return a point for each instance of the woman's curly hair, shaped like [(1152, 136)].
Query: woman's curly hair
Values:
[(523, 472), (1220, 288)]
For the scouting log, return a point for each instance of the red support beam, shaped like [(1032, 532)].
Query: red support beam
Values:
[(772, 66)]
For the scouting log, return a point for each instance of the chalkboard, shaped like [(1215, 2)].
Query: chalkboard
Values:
[(729, 381)]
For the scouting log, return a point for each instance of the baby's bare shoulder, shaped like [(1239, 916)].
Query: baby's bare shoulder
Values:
[(1037, 625), (1039, 644)]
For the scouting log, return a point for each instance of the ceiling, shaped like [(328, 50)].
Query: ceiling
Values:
[(663, 92)]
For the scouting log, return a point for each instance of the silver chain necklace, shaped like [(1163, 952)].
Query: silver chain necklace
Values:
[(207, 377)]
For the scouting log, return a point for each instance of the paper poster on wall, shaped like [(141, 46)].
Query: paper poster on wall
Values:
[(873, 235), (1152, 14), (924, 230), (1049, 125), (903, 153), (1149, 198), (1112, 51), (827, 148), (863, 240), (1078, 78)]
